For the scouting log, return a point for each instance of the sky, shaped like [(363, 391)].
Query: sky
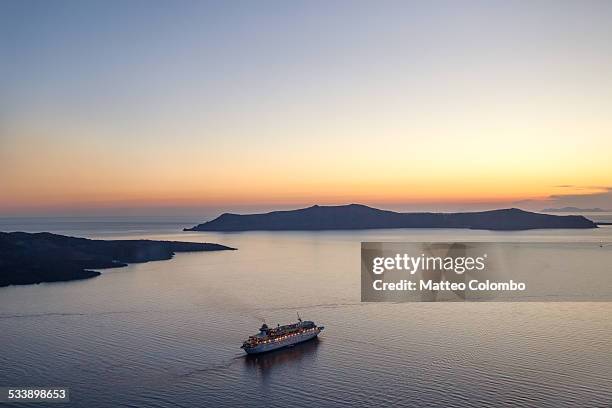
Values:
[(189, 107)]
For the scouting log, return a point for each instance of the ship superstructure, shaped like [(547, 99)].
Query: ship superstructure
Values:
[(269, 339)]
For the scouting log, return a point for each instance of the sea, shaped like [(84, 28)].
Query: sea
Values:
[(168, 333)]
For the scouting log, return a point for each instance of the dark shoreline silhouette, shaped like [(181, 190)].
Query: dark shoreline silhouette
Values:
[(27, 258), (356, 216)]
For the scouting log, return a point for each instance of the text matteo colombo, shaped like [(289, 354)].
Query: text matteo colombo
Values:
[(422, 263)]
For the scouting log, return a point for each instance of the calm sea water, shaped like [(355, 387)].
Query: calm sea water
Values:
[(166, 334)]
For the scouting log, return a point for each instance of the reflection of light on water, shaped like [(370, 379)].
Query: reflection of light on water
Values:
[(283, 357), (167, 334)]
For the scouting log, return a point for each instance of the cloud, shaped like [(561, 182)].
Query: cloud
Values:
[(599, 196)]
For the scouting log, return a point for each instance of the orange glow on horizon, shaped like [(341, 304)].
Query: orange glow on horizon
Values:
[(452, 198)]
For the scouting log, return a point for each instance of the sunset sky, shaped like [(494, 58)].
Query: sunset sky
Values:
[(197, 107)]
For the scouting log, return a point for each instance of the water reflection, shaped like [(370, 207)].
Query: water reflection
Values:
[(135, 337), (292, 356)]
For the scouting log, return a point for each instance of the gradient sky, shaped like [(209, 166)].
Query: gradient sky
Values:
[(185, 106)]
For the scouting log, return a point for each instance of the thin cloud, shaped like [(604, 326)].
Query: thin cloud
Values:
[(592, 197)]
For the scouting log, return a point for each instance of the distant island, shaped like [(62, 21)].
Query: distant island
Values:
[(27, 258), (574, 209), (356, 216)]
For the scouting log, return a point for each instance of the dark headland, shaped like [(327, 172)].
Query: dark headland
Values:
[(27, 258), (356, 216)]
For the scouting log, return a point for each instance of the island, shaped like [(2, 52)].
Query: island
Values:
[(357, 216), (27, 258)]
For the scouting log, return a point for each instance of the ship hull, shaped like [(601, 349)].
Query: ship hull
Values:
[(264, 348)]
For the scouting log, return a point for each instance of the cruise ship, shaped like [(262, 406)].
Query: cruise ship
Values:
[(269, 339)]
